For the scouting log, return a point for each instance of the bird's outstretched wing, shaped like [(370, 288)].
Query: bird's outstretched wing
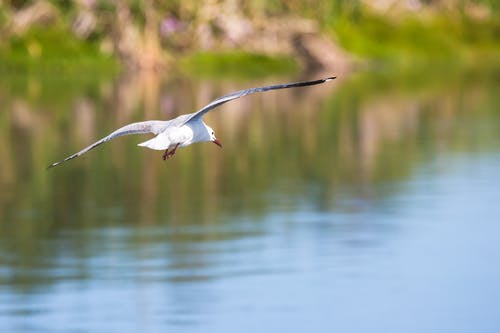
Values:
[(229, 97), (152, 126)]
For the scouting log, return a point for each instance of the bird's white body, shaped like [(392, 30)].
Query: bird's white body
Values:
[(186, 129), (191, 132)]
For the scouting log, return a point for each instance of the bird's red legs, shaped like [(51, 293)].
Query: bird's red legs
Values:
[(168, 154)]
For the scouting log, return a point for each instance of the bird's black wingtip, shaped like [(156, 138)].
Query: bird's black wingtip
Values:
[(53, 165)]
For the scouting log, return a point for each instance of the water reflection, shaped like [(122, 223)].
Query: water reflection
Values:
[(318, 202)]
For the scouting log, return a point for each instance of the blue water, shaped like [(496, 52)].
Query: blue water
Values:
[(360, 206), (423, 259)]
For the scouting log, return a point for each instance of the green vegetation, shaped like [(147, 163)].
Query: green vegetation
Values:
[(414, 40), (54, 50), (63, 36), (237, 64)]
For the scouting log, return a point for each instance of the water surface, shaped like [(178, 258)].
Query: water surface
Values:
[(365, 205)]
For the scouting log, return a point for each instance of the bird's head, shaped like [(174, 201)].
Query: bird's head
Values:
[(212, 137)]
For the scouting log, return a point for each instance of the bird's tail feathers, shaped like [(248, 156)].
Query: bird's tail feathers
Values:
[(159, 142)]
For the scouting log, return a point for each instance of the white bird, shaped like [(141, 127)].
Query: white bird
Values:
[(186, 129)]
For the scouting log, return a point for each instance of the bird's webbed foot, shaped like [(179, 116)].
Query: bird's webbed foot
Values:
[(165, 155), (168, 154)]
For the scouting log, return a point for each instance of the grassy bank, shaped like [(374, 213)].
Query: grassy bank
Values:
[(413, 40), (56, 51), (49, 51), (237, 64), (406, 40)]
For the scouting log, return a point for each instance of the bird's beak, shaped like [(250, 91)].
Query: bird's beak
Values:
[(217, 142)]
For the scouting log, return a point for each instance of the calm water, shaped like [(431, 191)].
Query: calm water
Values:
[(365, 205)]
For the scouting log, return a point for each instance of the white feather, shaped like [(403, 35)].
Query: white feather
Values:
[(159, 142)]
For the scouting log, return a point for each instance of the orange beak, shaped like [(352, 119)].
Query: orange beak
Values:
[(217, 142)]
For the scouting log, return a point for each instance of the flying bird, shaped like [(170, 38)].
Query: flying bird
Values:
[(186, 129)]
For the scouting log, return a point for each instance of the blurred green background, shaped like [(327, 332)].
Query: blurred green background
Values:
[(260, 36)]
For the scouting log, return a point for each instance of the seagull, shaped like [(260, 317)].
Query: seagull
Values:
[(186, 129)]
